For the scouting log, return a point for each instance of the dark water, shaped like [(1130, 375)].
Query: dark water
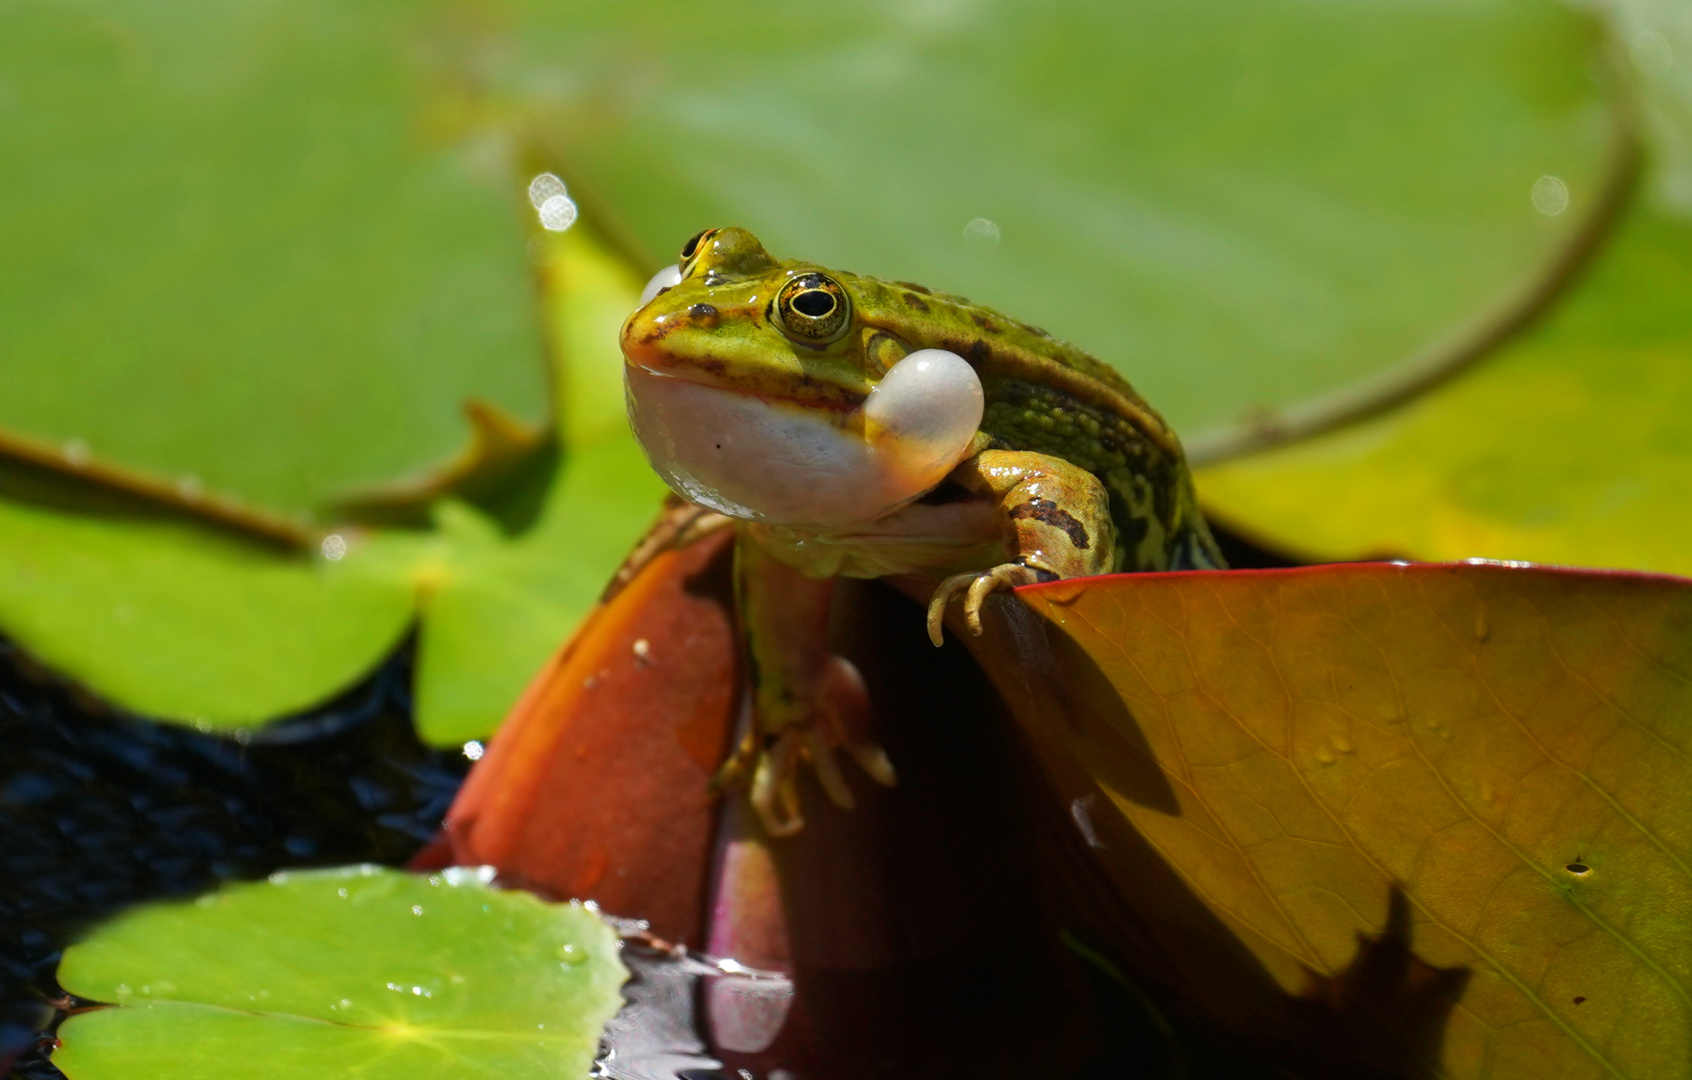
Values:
[(100, 810)]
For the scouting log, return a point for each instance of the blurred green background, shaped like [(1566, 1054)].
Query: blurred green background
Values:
[(289, 370)]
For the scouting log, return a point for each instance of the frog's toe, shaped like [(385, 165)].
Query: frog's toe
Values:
[(836, 717), (845, 702), (833, 781), (937, 606), (976, 589), (733, 773), (1001, 578), (874, 761), (775, 793)]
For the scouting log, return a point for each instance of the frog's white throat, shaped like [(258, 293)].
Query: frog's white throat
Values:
[(779, 462)]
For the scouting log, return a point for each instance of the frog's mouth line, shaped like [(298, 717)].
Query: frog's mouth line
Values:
[(816, 394)]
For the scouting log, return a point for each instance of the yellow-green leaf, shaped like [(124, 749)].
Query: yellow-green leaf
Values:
[(1569, 446), (1489, 766)]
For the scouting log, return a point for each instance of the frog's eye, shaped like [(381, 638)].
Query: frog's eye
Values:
[(694, 243), (813, 308)]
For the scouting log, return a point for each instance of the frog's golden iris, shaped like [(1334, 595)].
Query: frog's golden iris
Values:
[(812, 309)]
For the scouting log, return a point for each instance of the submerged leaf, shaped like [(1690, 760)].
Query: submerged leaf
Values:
[(332, 972), (1451, 802)]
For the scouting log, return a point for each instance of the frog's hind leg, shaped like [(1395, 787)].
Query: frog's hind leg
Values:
[(806, 701), (1056, 525)]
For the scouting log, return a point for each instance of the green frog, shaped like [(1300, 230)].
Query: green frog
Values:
[(855, 427)]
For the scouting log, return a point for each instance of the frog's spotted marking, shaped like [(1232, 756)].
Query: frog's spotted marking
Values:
[(980, 352), (985, 323), (1047, 512), (915, 302)]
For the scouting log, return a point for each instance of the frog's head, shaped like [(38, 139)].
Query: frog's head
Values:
[(756, 389), (729, 315)]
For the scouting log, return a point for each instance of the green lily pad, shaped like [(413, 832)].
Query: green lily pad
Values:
[(499, 607), (183, 622), (1566, 446), (335, 972), (1570, 446), (1242, 211), (173, 620), (252, 248)]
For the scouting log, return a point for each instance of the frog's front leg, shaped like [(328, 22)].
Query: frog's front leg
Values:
[(1056, 521), (806, 700)]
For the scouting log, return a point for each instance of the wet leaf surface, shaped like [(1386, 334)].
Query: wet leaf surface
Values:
[(1484, 768), (321, 972), (1241, 212), (186, 622)]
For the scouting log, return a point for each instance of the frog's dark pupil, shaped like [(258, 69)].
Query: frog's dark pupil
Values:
[(813, 302)]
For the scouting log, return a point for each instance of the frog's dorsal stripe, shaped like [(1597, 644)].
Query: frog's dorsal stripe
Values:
[(1001, 347)]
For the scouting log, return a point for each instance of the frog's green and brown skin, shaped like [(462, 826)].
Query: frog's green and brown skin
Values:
[(1070, 473), (1047, 396)]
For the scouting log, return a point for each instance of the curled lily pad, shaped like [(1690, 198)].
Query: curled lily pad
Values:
[(330, 972), (1441, 813)]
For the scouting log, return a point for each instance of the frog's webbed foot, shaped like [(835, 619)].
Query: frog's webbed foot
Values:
[(976, 587), (832, 720)]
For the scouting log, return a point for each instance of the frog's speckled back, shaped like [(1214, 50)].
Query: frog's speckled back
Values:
[(1048, 396)]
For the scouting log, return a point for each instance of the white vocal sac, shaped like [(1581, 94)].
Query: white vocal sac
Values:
[(784, 463), (667, 278)]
